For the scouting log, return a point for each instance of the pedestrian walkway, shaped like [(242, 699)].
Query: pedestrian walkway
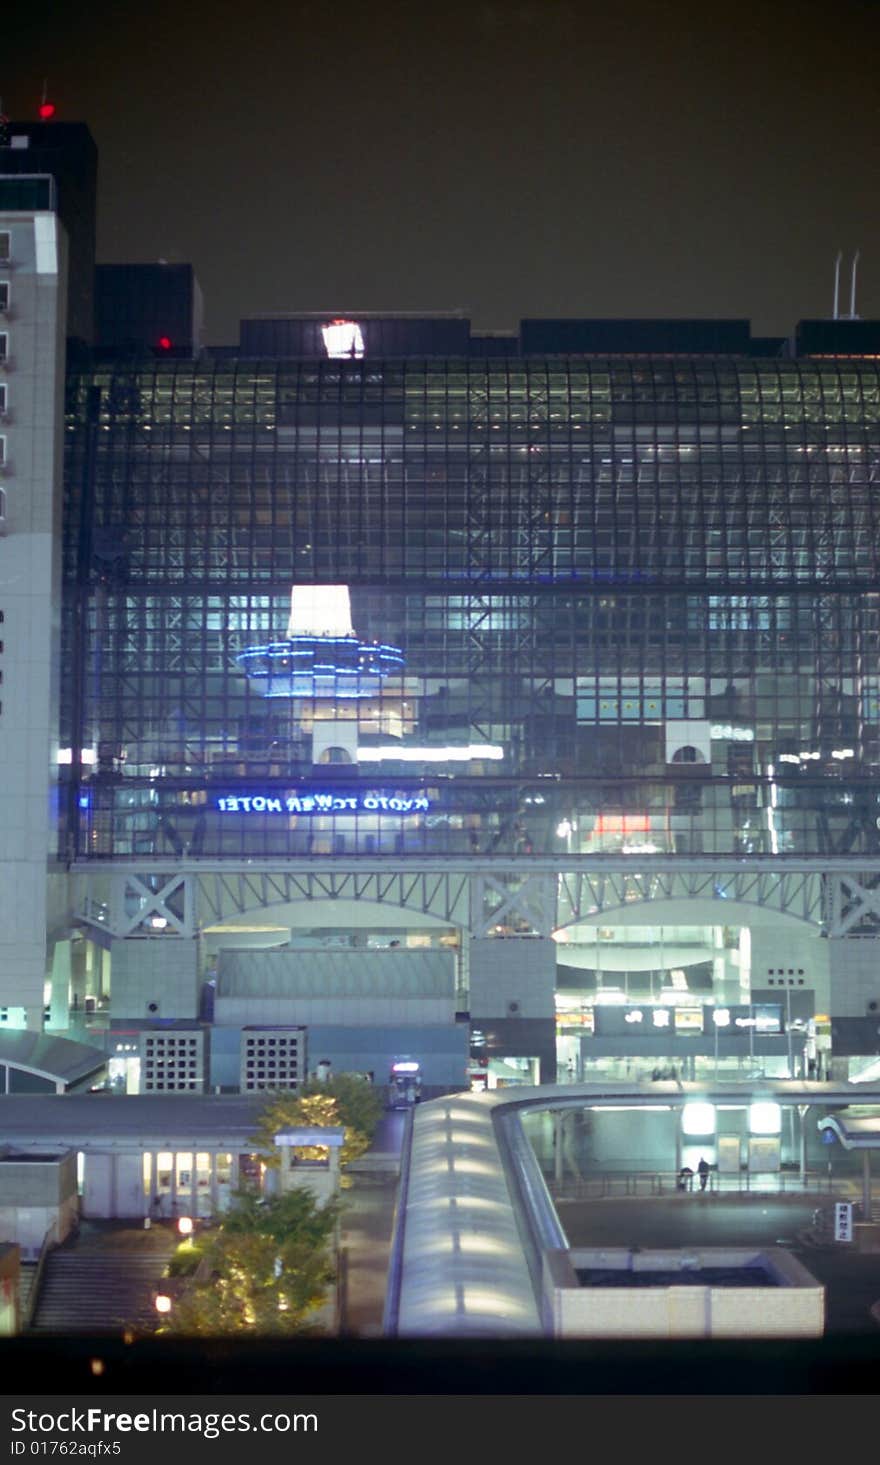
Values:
[(366, 1231)]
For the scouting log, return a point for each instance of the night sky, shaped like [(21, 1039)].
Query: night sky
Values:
[(505, 157)]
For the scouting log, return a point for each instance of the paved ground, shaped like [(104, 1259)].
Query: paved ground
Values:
[(366, 1243), (367, 1226), (852, 1280)]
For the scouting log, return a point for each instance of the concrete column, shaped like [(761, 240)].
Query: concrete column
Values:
[(78, 977), (462, 976), (59, 1001), (89, 981), (215, 1190), (150, 1182), (866, 1185), (558, 1161)]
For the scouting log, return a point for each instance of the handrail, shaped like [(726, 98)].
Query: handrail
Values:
[(608, 1183), (535, 1214), (391, 1311), (49, 1243)]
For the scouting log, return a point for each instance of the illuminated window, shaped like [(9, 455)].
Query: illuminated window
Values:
[(698, 1118), (343, 338)]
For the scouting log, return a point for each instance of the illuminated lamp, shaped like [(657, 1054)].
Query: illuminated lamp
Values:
[(321, 655), (765, 1117), (185, 1225), (162, 1302), (46, 111), (343, 338), (164, 343), (698, 1118)]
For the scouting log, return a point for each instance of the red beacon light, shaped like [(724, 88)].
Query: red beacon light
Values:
[(164, 343), (47, 111)]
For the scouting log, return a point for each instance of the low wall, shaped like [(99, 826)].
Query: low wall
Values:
[(37, 1192), (792, 1305)]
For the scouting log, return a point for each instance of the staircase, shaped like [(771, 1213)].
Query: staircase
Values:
[(103, 1282), (27, 1273)]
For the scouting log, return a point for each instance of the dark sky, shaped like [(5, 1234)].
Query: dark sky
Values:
[(509, 157)]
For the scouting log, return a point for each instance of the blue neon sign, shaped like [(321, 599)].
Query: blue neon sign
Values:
[(323, 803)]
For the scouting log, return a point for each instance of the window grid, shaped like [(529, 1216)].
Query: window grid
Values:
[(172, 1063), (580, 559)]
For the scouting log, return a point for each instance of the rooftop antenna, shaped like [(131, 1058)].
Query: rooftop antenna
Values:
[(852, 292), (837, 263)]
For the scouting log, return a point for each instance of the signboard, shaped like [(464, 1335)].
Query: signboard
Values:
[(764, 1154), (323, 803), (843, 1224), (727, 1154)]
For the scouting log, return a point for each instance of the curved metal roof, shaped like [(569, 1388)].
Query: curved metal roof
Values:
[(855, 1129), (59, 1059), (474, 1210)]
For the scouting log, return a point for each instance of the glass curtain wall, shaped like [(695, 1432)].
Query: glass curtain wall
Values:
[(594, 606)]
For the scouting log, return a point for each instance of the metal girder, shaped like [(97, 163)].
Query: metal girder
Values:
[(524, 906), (141, 904), (584, 896), (510, 893), (852, 905)]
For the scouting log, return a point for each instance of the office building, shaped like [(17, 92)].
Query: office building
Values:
[(496, 702), (33, 276)]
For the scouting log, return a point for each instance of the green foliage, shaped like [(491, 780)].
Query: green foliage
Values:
[(186, 1258), (347, 1101), (360, 1102), (264, 1272)]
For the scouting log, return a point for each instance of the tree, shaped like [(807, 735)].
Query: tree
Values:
[(265, 1270), (360, 1103), (346, 1101)]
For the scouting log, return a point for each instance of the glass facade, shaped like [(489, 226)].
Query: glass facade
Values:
[(634, 605)]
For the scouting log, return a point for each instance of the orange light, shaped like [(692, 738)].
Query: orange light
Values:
[(623, 824)]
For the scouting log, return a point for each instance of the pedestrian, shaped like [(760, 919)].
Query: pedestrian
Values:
[(685, 1178), (703, 1172)]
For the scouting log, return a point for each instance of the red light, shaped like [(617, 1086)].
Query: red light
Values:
[(47, 110), (164, 343)]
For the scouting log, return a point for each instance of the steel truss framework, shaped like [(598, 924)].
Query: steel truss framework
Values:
[(505, 899)]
